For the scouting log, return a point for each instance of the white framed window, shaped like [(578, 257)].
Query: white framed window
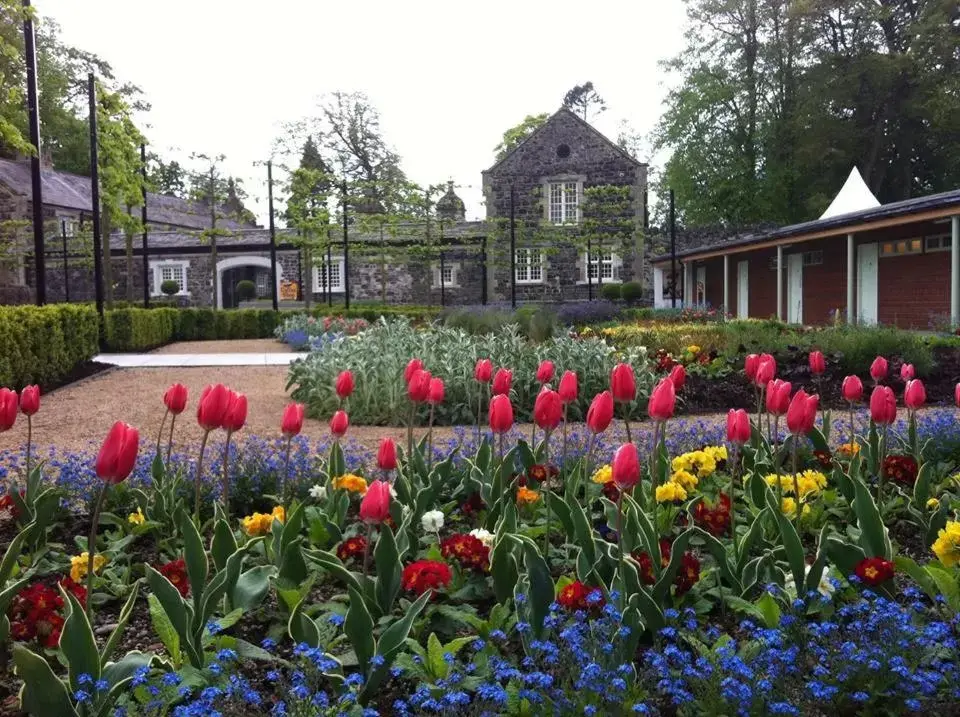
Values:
[(563, 201), (172, 270), (901, 247), (529, 267), (939, 242), (263, 284), (606, 265), (328, 277), (451, 275), (813, 258)]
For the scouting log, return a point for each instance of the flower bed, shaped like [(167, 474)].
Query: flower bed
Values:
[(781, 563)]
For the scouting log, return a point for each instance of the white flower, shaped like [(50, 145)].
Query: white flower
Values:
[(318, 492), (432, 521), (825, 588), (484, 536)]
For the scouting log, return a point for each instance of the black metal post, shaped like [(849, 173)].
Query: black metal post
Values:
[(33, 119), (300, 281), (646, 210), (442, 298), (327, 283), (483, 260), (66, 263), (346, 253), (673, 254), (143, 220), (273, 239), (95, 196), (589, 278), (513, 248)]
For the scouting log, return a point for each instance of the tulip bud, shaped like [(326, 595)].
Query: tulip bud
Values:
[(914, 395), (501, 414), (766, 370), (569, 388), (418, 387), (817, 363), (878, 369), (906, 372), (626, 466), (502, 381), (662, 401), (436, 391), (956, 396), (778, 397), (30, 400), (852, 389), (750, 366), (600, 413), (9, 404), (236, 413), (339, 423), (292, 422), (679, 376), (802, 412), (175, 399), (212, 406), (883, 405), (344, 384), (623, 383), (483, 371), (413, 366), (545, 372), (548, 409), (387, 454), (375, 506), (118, 454), (738, 427)]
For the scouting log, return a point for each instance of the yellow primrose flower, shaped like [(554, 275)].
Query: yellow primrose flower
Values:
[(947, 545), (603, 475), (693, 349), (137, 518), (260, 523), (351, 483), (700, 462), (789, 507), (526, 496), (933, 504), (718, 453), (848, 450), (685, 479), (670, 492), (78, 565)]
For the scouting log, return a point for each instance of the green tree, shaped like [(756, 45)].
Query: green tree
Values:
[(169, 178), (582, 99), (209, 187), (516, 134)]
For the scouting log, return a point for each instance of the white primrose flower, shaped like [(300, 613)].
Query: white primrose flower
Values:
[(484, 536), (432, 521), (318, 492)]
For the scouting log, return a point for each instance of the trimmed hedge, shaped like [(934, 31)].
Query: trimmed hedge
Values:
[(143, 329), (44, 344)]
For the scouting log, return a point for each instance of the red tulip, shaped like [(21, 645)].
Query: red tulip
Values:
[(906, 372), (502, 381), (212, 407), (626, 466), (387, 454), (436, 391), (852, 389), (956, 395), (418, 387), (30, 400), (883, 405), (662, 400), (548, 409), (817, 363), (679, 376), (175, 399), (483, 370), (569, 387), (119, 453), (9, 406), (292, 422), (778, 396), (339, 423), (750, 365), (766, 370), (623, 383), (344, 384), (375, 506), (802, 412), (914, 395), (878, 369), (236, 413), (501, 414), (413, 366), (600, 413), (545, 372), (738, 427)]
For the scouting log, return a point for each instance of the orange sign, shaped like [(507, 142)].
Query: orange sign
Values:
[(289, 290)]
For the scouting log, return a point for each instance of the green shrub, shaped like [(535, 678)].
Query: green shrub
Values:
[(44, 344), (631, 291), (170, 287), (610, 292), (246, 290)]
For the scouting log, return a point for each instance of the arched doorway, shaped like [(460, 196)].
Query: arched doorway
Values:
[(239, 268)]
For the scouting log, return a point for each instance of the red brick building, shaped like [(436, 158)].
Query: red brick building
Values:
[(896, 264)]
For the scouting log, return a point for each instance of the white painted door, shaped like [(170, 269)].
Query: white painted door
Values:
[(743, 289), (867, 282), (795, 288)]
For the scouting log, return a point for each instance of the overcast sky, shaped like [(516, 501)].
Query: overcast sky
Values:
[(447, 77)]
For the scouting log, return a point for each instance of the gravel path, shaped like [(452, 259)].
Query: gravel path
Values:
[(239, 346)]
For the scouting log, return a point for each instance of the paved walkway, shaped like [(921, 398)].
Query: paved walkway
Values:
[(153, 360)]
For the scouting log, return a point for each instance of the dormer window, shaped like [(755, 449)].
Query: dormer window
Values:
[(564, 201)]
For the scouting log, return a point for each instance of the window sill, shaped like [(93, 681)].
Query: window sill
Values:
[(332, 290), (160, 294), (437, 287), (527, 282), (584, 282)]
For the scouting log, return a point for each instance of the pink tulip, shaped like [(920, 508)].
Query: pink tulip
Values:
[(502, 381), (344, 385), (236, 414), (750, 366), (501, 414), (852, 389), (883, 405), (738, 427), (212, 407), (292, 422), (418, 386), (778, 396), (907, 372), (545, 372), (339, 423), (623, 383), (600, 413), (483, 371), (30, 400), (175, 399), (766, 370), (914, 395), (413, 366), (679, 376), (878, 369), (375, 506), (802, 413), (118, 454), (9, 404), (387, 455), (548, 409), (662, 400), (626, 466), (436, 391), (817, 363), (569, 388)]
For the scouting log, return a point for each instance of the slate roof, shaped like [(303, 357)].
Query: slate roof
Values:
[(72, 191)]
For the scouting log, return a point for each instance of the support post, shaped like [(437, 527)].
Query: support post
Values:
[(779, 283), (95, 197), (33, 120), (483, 261), (688, 280), (726, 285), (273, 239), (673, 253), (143, 221), (513, 248), (589, 278), (954, 270), (850, 279), (346, 253), (326, 278), (442, 296), (66, 262)]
